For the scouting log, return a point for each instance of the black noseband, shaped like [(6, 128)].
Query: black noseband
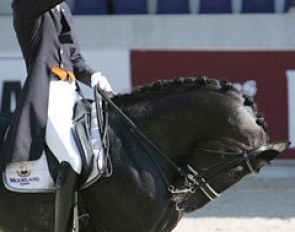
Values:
[(200, 181)]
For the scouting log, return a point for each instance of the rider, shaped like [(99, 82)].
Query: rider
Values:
[(44, 29)]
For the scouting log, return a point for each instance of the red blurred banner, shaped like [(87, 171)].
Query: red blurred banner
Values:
[(261, 74)]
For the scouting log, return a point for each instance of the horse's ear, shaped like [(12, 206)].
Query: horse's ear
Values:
[(280, 146), (275, 149)]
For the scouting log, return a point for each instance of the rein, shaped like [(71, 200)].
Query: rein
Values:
[(139, 134), (193, 180)]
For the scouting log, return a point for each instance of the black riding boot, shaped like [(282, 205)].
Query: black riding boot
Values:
[(64, 198)]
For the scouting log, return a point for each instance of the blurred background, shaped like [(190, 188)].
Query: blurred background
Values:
[(135, 42)]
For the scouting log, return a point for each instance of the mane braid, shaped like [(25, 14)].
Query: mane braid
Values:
[(260, 120), (184, 84), (179, 85)]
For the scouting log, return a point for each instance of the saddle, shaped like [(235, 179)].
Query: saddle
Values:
[(40, 175)]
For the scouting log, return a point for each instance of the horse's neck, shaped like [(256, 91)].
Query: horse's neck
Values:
[(167, 127), (177, 121), (137, 150)]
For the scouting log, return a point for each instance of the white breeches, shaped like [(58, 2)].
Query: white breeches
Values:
[(59, 133)]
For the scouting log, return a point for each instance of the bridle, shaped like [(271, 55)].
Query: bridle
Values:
[(192, 179), (195, 180)]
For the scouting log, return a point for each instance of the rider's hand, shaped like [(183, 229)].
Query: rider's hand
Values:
[(100, 80)]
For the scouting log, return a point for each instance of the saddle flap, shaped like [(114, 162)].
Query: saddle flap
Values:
[(81, 125)]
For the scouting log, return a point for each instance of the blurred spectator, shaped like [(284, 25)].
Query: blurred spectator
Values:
[(291, 9), (90, 7), (130, 6), (173, 7), (258, 6), (110, 6), (215, 6)]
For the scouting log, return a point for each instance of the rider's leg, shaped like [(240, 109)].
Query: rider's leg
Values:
[(64, 199), (59, 134), (61, 141)]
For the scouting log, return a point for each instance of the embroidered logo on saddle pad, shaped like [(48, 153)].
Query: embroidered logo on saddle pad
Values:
[(29, 176), (34, 176)]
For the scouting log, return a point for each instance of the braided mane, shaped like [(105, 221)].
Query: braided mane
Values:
[(178, 85), (181, 85)]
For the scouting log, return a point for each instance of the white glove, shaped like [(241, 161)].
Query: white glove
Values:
[(100, 80)]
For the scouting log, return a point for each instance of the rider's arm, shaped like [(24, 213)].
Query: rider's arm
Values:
[(31, 8), (82, 70), (87, 75)]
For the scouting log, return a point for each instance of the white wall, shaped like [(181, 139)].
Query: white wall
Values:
[(291, 105), (236, 31), (12, 69), (5, 6), (114, 64), (188, 31)]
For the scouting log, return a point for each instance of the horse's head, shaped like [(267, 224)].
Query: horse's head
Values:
[(209, 179), (209, 129), (234, 144)]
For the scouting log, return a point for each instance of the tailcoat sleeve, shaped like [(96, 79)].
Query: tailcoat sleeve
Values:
[(82, 70)]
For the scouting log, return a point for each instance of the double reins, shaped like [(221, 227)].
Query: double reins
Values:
[(139, 134)]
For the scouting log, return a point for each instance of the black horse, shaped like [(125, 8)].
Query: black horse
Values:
[(205, 136)]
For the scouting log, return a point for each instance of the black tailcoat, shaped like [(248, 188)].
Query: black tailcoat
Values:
[(46, 37)]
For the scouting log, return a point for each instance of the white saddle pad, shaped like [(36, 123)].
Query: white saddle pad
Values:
[(34, 176), (28, 176)]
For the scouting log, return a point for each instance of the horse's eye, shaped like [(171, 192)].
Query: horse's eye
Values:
[(239, 169)]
